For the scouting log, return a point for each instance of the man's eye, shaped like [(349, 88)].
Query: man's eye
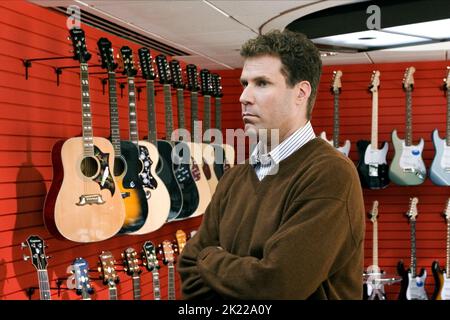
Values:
[(262, 83)]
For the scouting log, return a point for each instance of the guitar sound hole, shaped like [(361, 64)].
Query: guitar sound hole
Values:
[(89, 167), (119, 166)]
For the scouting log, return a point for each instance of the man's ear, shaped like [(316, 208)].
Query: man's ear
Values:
[(303, 90)]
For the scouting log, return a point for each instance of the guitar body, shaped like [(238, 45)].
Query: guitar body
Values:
[(407, 168), (440, 167), (230, 155), (372, 166), (345, 149), (199, 177), (412, 288), (126, 170), (158, 198), (440, 281), (209, 158), (83, 207)]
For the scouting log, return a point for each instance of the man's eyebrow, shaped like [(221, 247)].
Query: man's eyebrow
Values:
[(256, 79)]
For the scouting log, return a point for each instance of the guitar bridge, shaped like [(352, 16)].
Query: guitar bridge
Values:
[(373, 170), (90, 199), (414, 171)]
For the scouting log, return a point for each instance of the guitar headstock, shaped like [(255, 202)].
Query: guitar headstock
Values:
[(374, 212), (408, 79), (106, 52), (216, 86), (168, 252), (192, 78), (375, 81), (177, 74), (181, 239), (412, 211), (145, 61), (163, 69), (131, 262), (446, 212), (447, 80), (336, 82), (107, 269), (80, 270), (149, 258), (205, 82), (126, 58), (80, 52), (37, 252)]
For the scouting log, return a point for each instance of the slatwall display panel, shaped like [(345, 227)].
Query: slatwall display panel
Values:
[(34, 114)]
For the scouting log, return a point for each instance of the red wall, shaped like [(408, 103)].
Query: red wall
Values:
[(35, 113)]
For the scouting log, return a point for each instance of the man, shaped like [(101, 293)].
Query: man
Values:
[(290, 223)]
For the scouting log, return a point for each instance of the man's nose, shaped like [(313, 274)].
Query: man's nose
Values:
[(246, 96)]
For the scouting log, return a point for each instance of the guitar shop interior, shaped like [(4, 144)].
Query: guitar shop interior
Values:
[(138, 71)]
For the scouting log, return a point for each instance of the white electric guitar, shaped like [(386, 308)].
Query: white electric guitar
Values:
[(336, 90)]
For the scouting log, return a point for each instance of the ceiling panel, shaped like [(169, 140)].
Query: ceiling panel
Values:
[(383, 56)]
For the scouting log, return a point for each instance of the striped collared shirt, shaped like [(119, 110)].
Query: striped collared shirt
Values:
[(267, 163)]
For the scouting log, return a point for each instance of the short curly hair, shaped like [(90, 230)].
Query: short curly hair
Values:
[(299, 57)]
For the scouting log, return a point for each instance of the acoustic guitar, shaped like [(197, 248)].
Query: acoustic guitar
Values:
[(79, 278), (108, 273), (131, 267), (168, 253), (83, 203), (150, 261)]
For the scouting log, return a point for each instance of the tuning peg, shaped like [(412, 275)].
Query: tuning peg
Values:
[(23, 245), (25, 257), (49, 257)]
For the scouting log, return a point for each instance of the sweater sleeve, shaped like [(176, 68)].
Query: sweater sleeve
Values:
[(314, 242)]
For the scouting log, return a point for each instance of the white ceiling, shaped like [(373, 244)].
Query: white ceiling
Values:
[(213, 40)]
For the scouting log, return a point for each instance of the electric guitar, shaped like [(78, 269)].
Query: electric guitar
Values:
[(375, 289), (213, 153), (440, 167), (229, 152), (372, 166), (181, 237), (413, 284), (442, 276), (108, 273), (39, 260), (195, 149), (82, 204), (150, 261), (131, 267), (177, 173), (167, 251), (157, 194), (407, 168), (126, 161), (336, 90), (79, 279)]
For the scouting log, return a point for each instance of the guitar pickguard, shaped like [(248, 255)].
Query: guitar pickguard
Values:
[(146, 176), (104, 177), (416, 287)]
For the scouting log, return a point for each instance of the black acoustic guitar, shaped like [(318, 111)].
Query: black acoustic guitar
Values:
[(372, 166)]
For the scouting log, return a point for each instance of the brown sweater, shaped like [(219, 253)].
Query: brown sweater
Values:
[(295, 235)]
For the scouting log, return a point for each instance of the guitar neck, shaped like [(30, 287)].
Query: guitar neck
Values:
[(152, 133), (413, 247), (134, 135), (408, 134), (137, 287), (447, 137), (112, 292), (375, 244), (168, 111), (180, 105), (207, 113), (171, 284), (194, 117), (218, 106), (44, 285), (88, 142), (156, 286), (114, 113), (447, 267), (374, 136), (85, 294), (336, 120)]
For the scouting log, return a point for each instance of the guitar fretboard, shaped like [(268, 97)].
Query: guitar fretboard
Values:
[(88, 142), (197, 133), (44, 286), (413, 247), (408, 133), (374, 135), (137, 287), (375, 243), (447, 137), (171, 284), (152, 133), (156, 286), (168, 111), (217, 104), (447, 267), (180, 104), (207, 115), (112, 293), (134, 134), (114, 113), (336, 120), (85, 294)]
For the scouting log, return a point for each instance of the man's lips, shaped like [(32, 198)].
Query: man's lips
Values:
[(248, 117)]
